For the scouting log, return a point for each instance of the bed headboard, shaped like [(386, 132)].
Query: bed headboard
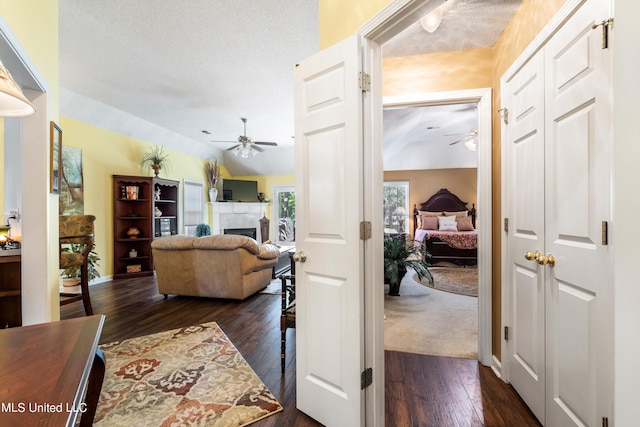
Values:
[(444, 200)]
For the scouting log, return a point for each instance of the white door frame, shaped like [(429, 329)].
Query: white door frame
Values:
[(483, 98), (39, 210)]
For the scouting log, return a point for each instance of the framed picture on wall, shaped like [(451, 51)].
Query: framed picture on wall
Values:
[(56, 158)]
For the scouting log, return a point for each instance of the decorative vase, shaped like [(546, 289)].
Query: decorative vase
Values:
[(213, 194), (157, 212), (133, 253), (156, 168), (133, 233)]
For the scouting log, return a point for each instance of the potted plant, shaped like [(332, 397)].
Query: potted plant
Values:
[(213, 172), (73, 272), (155, 158), (399, 256)]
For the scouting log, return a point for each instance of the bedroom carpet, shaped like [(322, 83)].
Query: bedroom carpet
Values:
[(187, 376), (455, 280), (424, 320)]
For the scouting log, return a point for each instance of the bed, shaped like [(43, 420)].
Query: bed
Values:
[(433, 225)]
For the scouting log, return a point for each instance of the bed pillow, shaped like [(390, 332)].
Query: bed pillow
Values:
[(464, 223), (428, 213), (447, 223), (429, 222), (456, 214)]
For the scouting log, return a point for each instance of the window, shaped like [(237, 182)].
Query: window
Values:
[(193, 206), (396, 207), (284, 208)]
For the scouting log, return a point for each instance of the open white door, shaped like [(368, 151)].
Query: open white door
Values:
[(329, 208)]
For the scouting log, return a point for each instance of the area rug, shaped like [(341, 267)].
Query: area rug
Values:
[(423, 320), (455, 280), (274, 288), (187, 376)]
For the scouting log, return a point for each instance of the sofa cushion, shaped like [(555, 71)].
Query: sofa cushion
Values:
[(268, 251), (226, 242)]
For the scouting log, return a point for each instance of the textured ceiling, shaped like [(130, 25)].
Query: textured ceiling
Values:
[(164, 70)]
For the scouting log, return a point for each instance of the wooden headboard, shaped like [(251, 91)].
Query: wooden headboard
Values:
[(444, 200)]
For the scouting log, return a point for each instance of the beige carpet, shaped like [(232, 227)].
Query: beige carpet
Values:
[(456, 280), (189, 376), (424, 320)]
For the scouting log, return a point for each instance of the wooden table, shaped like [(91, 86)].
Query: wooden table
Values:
[(51, 373)]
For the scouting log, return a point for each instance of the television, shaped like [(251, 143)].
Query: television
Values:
[(235, 190)]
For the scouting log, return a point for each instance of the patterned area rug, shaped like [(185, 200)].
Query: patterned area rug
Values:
[(188, 376), (456, 280)]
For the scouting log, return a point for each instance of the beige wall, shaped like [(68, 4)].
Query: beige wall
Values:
[(425, 183)]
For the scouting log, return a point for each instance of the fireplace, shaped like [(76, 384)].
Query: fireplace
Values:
[(236, 216), (250, 232)]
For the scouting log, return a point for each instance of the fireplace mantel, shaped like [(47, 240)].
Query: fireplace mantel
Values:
[(235, 215)]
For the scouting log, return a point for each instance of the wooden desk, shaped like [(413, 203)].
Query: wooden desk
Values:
[(46, 370)]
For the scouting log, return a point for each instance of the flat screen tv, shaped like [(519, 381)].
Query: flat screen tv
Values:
[(235, 190)]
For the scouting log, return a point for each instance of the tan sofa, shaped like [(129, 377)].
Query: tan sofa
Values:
[(219, 266)]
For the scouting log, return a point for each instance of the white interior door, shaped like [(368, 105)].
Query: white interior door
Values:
[(329, 208), (525, 210), (578, 200)]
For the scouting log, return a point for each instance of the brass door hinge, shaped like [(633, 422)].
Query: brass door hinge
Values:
[(605, 233), (605, 422), (364, 81), (504, 112), (605, 31), (506, 333), (366, 378), (365, 230), (506, 225)]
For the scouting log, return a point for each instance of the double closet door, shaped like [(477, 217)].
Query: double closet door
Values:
[(558, 253)]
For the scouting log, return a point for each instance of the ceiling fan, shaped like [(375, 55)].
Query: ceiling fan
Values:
[(470, 139), (245, 145)]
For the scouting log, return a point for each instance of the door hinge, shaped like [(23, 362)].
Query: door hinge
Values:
[(364, 81), (366, 378), (605, 31), (605, 422), (506, 333), (605, 233), (506, 225), (365, 230), (504, 113)]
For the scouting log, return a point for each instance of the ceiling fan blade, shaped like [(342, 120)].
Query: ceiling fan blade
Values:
[(233, 148), (456, 134), (273, 144), (229, 142), (258, 149), (455, 142)]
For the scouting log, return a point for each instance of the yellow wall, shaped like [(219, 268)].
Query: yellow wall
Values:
[(425, 183), (341, 18), (452, 71), (106, 153)]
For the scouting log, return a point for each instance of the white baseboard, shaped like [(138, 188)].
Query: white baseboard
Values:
[(496, 367), (101, 280)]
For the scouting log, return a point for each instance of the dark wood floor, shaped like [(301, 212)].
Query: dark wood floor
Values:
[(420, 390)]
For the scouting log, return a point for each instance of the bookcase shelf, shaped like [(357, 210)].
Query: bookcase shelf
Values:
[(134, 206)]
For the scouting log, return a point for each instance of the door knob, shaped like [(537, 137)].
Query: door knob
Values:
[(549, 259), (300, 256), (532, 256)]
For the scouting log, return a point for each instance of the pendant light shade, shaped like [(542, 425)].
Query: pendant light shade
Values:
[(13, 103)]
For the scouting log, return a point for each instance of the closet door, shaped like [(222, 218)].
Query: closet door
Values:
[(525, 210), (577, 200)]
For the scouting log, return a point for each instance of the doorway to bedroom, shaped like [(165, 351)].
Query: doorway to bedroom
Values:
[(428, 148)]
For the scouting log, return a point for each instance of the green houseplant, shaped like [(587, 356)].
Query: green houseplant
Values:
[(399, 256), (73, 272), (155, 159)]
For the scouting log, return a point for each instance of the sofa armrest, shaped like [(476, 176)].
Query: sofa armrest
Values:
[(268, 251)]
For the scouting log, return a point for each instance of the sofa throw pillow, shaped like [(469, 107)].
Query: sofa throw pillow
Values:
[(464, 223), (429, 222)]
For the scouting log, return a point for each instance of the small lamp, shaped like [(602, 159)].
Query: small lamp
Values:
[(400, 212), (13, 103), (4, 236)]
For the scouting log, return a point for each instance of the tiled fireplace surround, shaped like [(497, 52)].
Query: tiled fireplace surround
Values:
[(230, 215)]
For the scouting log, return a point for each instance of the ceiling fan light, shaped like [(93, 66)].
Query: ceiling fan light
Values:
[(431, 21), (471, 144)]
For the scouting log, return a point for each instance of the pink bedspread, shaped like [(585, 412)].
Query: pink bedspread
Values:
[(455, 239)]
